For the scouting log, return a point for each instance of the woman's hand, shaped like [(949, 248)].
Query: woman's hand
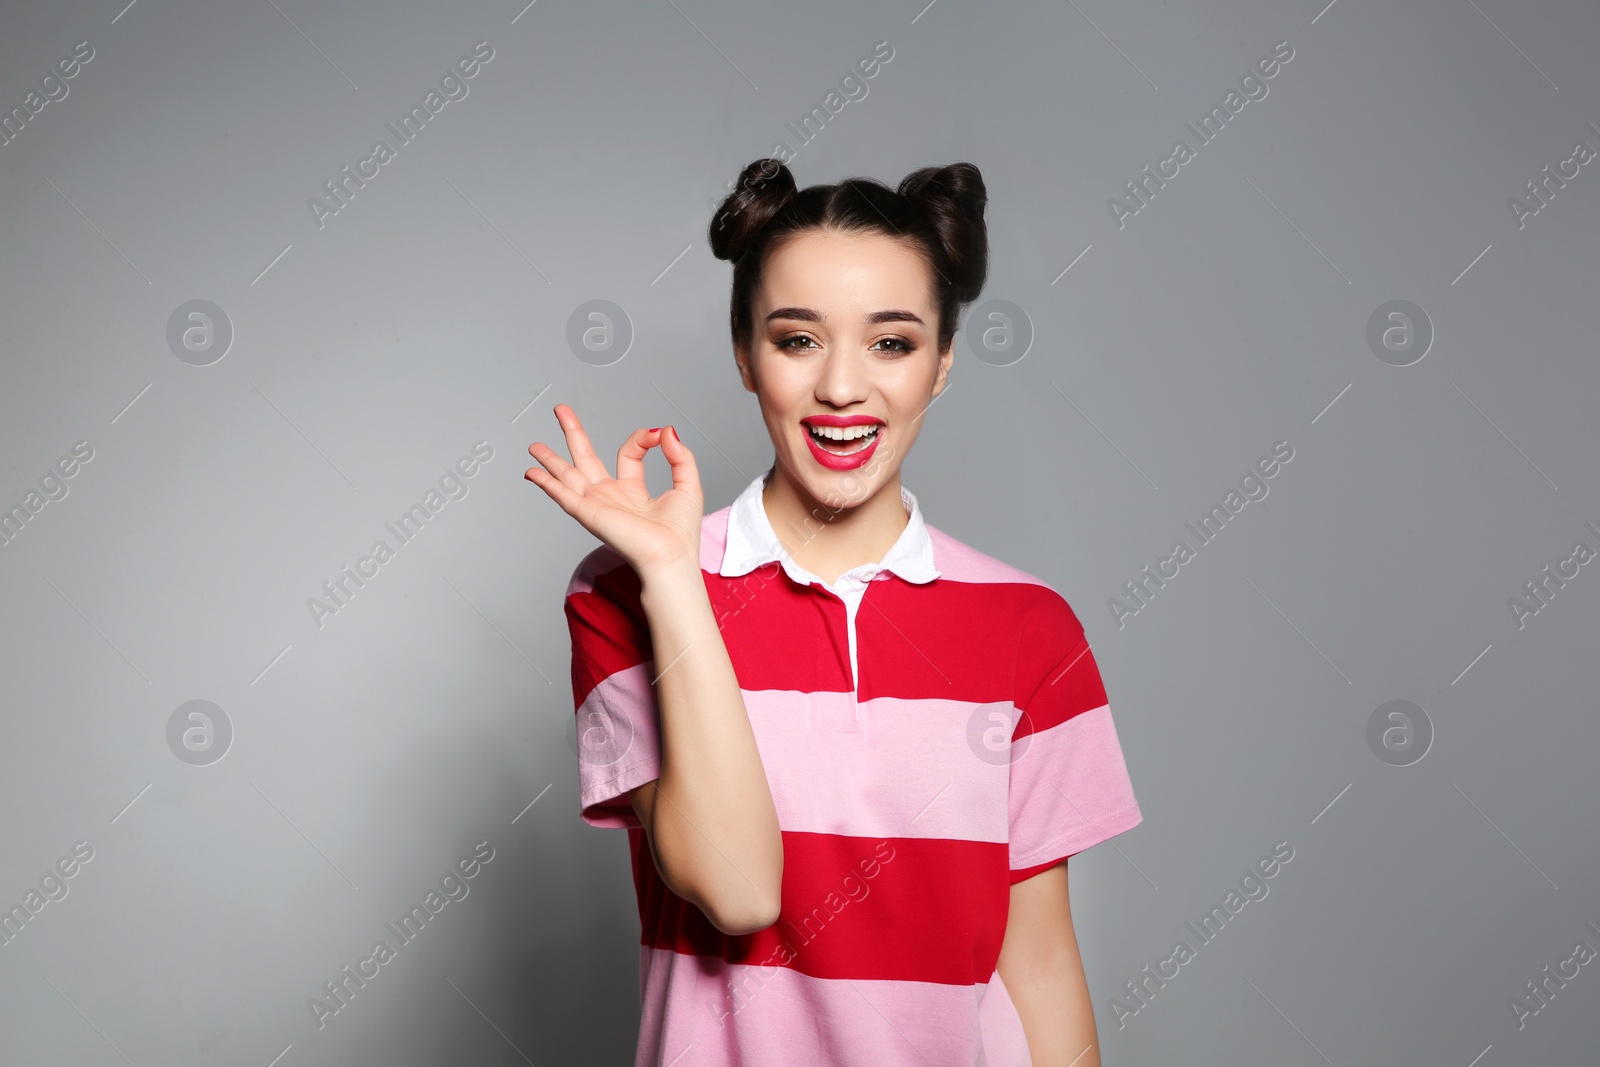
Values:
[(652, 535)]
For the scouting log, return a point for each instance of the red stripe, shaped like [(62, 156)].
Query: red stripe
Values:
[(904, 909), (608, 629), (983, 642), (781, 635), (1022, 873), (979, 642), (944, 639), (1070, 686)]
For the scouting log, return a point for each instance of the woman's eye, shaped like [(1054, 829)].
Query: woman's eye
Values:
[(800, 342)]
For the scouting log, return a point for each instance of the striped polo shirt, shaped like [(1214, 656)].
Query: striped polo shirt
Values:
[(933, 728)]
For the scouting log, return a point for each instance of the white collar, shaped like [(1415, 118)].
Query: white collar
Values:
[(751, 542)]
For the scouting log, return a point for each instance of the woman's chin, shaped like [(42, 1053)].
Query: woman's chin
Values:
[(842, 489)]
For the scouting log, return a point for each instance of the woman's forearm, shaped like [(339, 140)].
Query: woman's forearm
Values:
[(1043, 973), (1057, 1018), (710, 818)]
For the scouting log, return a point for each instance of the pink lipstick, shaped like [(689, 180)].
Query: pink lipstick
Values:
[(856, 435)]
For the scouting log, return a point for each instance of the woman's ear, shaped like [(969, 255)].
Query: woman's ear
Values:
[(946, 358), (741, 356)]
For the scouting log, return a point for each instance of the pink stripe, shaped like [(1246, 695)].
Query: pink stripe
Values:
[(828, 761), (619, 745), (824, 757), (1069, 790), (601, 559), (714, 539), (1005, 1043), (962, 563), (748, 1015)]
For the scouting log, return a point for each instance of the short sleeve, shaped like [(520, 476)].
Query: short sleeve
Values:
[(618, 722), (1069, 786)]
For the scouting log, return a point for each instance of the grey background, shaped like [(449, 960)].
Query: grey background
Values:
[(368, 755)]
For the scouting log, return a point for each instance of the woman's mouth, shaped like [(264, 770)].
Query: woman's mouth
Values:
[(842, 443)]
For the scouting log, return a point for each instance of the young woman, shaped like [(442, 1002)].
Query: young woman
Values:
[(851, 752)]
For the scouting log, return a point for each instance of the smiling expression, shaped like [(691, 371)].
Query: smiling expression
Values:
[(843, 359)]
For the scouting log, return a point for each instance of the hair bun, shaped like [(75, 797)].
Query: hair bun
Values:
[(959, 185), (954, 197), (764, 187)]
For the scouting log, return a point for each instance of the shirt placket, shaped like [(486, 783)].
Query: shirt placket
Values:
[(850, 590), (855, 583)]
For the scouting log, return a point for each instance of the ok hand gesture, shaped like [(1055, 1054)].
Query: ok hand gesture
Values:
[(652, 535)]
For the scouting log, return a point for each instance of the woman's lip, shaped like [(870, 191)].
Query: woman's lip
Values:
[(842, 463), (841, 420)]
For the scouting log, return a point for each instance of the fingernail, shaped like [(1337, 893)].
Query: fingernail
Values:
[(653, 429), (674, 430)]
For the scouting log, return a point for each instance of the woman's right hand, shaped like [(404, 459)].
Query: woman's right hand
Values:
[(650, 534)]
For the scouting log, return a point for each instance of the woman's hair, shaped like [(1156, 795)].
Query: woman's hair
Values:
[(938, 211)]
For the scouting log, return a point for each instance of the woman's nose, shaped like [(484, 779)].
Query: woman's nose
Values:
[(842, 378)]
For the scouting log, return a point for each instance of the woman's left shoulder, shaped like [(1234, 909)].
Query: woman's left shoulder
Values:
[(960, 562)]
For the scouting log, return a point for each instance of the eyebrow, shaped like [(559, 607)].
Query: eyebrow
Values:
[(811, 315)]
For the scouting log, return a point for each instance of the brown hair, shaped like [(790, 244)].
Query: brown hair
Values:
[(937, 210)]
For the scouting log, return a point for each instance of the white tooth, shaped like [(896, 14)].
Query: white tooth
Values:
[(844, 433)]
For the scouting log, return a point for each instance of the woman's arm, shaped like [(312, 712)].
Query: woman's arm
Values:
[(709, 816), (1040, 967)]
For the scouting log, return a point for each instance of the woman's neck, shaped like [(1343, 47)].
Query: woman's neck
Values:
[(829, 540)]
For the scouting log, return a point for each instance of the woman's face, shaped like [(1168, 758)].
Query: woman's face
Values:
[(844, 335)]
